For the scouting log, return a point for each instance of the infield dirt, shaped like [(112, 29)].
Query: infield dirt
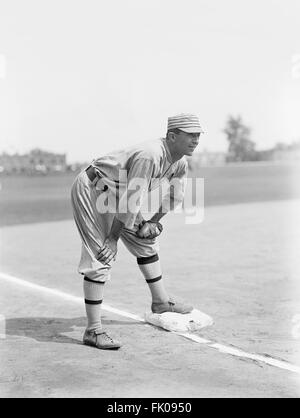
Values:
[(240, 266)]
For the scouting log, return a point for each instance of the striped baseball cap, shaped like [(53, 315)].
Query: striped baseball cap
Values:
[(186, 122)]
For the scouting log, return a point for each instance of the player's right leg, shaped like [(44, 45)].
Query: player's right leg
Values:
[(93, 228)]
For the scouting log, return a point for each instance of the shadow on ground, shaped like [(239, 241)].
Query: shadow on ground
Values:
[(53, 329)]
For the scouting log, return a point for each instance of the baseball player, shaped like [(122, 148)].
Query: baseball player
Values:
[(106, 200)]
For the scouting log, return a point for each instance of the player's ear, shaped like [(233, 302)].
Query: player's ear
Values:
[(171, 136)]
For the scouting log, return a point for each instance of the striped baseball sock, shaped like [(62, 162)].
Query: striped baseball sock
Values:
[(151, 270), (93, 296)]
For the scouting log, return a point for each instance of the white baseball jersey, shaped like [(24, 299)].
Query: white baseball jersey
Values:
[(150, 162)]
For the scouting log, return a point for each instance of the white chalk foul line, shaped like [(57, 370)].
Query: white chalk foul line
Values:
[(64, 295), (219, 347)]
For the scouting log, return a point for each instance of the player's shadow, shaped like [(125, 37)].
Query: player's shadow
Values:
[(53, 329)]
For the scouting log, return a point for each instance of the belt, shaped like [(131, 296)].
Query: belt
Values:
[(91, 173), (94, 175)]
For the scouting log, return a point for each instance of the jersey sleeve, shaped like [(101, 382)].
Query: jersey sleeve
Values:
[(137, 186), (175, 195)]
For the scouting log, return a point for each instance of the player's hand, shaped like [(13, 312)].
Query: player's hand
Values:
[(108, 251), (149, 229)]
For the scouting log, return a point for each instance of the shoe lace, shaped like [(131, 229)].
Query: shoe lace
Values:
[(107, 337)]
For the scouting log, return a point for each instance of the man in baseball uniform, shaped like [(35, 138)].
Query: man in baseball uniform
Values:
[(106, 199)]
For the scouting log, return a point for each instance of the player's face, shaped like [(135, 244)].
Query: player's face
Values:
[(186, 143)]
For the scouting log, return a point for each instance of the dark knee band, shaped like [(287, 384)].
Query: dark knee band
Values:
[(92, 302), (86, 279), (156, 279), (147, 260)]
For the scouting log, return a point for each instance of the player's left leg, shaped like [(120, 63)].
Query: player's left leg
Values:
[(151, 269), (146, 252)]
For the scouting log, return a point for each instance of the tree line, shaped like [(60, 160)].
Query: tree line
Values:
[(243, 148)]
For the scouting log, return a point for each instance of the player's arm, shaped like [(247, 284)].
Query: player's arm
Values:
[(139, 177), (176, 191), (131, 198), (158, 215), (153, 228)]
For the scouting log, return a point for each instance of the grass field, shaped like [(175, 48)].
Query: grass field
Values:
[(47, 198), (241, 266)]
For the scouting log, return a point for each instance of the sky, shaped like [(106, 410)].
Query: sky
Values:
[(86, 77)]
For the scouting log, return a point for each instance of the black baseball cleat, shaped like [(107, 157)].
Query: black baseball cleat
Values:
[(171, 306), (101, 340)]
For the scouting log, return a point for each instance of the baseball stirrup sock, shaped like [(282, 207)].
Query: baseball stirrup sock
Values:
[(151, 270), (93, 296), (150, 267)]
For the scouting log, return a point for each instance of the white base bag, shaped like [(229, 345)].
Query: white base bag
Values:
[(176, 322)]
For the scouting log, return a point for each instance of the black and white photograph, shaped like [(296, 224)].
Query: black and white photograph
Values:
[(149, 201)]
